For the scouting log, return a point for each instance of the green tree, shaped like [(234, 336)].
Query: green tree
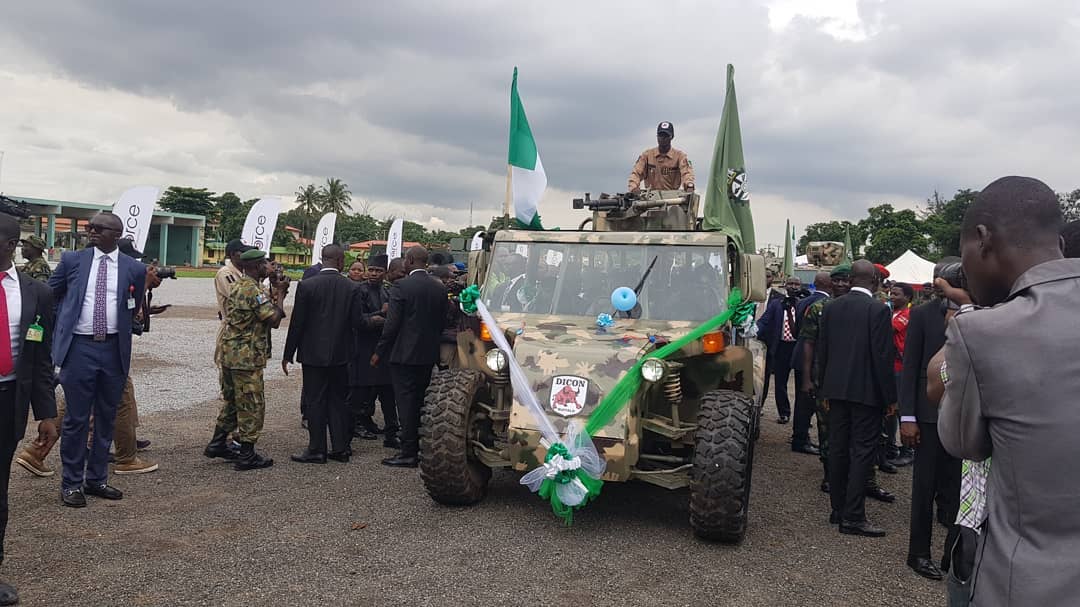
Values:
[(892, 232), (942, 219), (193, 201), (335, 197), (309, 202), (1070, 205), (229, 213), (829, 231), (358, 228)]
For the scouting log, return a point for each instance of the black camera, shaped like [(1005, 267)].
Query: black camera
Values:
[(953, 273), (164, 272)]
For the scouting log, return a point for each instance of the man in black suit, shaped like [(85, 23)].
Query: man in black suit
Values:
[(320, 335), (410, 342), (855, 351), (366, 383), (26, 368), (936, 474)]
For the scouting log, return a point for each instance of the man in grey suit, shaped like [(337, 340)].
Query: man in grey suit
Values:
[(1011, 376)]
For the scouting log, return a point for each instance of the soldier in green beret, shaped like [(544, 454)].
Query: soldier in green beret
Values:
[(33, 249), (245, 347)]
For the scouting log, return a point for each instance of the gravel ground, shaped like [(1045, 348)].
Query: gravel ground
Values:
[(198, 533)]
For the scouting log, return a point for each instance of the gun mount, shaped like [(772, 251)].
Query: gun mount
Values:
[(651, 211)]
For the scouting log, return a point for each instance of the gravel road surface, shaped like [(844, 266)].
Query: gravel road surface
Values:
[(197, 533)]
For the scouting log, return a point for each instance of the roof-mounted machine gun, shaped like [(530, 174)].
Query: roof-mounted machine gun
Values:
[(649, 211)]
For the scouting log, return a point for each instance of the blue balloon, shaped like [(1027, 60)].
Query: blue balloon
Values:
[(624, 299)]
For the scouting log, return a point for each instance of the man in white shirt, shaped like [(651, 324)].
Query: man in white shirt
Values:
[(98, 291)]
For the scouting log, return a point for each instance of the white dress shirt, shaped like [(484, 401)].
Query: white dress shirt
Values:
[(85, 326), (865, 292), (13, 295)]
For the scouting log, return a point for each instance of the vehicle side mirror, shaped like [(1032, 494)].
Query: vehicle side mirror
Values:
[(752, 278)]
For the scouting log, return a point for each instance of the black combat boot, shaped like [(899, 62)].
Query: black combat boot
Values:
[(221, 446), (250, 459)]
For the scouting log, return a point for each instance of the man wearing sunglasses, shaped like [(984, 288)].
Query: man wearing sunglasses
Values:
[(98, 291)]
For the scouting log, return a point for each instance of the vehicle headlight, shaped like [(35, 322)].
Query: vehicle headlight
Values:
[(496, 360), (652, 370)]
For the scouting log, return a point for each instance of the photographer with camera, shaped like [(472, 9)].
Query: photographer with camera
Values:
[(1009, 374), (777, 329)]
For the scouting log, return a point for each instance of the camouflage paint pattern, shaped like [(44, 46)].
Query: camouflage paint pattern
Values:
[(38, 269), (244, 408)]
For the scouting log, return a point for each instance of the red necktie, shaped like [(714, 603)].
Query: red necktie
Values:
[(7, 365)]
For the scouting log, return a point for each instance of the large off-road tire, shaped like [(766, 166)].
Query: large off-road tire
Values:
[(723, 463), (451, 475)]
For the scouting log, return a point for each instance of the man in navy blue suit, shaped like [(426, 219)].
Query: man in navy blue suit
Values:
[(777, 329), (97, 292)]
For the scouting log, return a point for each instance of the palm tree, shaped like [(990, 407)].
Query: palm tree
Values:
[(335, 196), (309, 201)]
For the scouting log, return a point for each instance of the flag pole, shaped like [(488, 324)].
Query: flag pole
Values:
[(509, 195)]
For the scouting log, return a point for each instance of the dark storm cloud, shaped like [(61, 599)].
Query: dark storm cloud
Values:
[(408, 101)]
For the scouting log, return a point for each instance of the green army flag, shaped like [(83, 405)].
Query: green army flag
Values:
[(789, 250), (727, 199), (849, 254)]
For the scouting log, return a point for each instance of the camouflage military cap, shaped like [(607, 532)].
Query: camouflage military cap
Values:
[(253, 255), (35, 241), (841, 270)]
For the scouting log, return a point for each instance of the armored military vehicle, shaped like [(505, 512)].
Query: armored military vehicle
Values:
[(823, 255), (694, 419)]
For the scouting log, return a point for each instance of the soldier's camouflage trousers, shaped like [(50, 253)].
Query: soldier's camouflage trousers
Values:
[(822, 416), (244, 407)]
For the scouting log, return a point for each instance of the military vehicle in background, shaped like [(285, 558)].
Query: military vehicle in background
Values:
[(694, 419), (820, 256)]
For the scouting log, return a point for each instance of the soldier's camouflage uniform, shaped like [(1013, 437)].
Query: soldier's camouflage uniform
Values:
[(809, 331), (245, 348), (38, 269)]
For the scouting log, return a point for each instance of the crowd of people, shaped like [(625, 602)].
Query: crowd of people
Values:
[(945, 376), (969, 379)]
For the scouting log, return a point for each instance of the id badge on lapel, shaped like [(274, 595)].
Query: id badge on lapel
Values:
[(35, 332)]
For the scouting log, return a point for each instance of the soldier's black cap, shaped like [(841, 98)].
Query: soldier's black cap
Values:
[(666, 127), (378, 261), (127, 247), (236, 246)]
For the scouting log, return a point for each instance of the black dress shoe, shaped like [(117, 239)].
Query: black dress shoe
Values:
[(103, 491), (339, 456), (863, 528), (402, 461), (783, 419), (309, 457), (834, 518), (902, 460), (925, 567), (365, 434), (880, 495), (8, 595), (806, 448), (392, 443), (887, 467), (73, 498)]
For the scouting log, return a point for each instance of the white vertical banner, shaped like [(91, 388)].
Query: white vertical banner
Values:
[(393, 240), (324, 235), (260, 223), (477, 241), (135, 210)]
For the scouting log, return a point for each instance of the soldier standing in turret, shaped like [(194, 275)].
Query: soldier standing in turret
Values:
[(662, 167)]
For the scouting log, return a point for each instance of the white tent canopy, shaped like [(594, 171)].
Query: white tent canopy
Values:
[(911, 268)]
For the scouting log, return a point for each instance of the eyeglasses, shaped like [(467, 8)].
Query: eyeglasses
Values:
[(97, 227)]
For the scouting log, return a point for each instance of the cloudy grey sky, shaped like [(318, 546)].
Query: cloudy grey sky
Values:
[(843, 104)]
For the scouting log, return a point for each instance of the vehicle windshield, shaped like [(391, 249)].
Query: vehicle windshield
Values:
[(577, 279)]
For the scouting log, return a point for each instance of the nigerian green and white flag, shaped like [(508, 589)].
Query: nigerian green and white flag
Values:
[(527, 178), (727, 199)]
